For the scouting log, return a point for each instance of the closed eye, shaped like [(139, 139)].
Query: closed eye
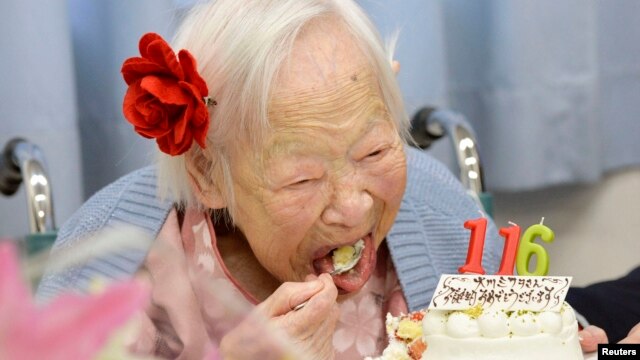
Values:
[(301, 182), (375, 155)]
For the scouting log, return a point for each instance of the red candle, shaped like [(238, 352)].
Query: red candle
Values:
[(478, 229), (511, 238)]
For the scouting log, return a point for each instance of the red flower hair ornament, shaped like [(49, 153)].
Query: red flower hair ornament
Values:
[(167, 98)]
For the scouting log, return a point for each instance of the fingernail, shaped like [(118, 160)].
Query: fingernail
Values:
[(580, 338), (300, 306)]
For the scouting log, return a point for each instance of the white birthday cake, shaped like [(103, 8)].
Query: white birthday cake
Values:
[(479, 334)]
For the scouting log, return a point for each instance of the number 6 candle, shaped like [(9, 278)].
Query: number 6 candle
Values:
[(528, 248)]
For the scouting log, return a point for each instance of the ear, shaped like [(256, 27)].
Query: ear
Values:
[(206, 186), (395, 66)]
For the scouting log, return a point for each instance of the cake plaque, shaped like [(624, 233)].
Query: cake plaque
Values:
[(497, 292)]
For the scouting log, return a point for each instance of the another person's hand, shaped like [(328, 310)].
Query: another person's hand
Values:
[(310, 329), (633, 337), (591, 336)]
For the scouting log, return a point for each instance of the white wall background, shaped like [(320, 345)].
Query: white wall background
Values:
[(38, 92), (597, 227)]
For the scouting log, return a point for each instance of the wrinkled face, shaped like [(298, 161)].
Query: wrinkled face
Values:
[(332, 170)]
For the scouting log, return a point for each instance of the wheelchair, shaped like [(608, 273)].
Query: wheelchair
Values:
[(23, 162)]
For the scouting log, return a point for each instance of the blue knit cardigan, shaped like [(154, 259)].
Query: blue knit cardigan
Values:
[(427, 239)]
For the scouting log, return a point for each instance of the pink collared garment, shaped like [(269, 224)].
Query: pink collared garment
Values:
[(194, 306)]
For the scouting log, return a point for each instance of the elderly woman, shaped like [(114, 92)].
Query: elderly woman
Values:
[(299, 165)]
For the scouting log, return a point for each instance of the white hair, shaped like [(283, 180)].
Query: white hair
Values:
[(239, 46)]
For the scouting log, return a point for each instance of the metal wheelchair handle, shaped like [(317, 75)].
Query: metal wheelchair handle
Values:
[(465, 146), (10, 176), (23, 161), (468, 159), (424, 131), (429, 124)]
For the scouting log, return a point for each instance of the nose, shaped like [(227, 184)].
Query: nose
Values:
[(349, 206)]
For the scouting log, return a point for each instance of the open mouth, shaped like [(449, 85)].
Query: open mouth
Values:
[(348, 277), (346, 257)]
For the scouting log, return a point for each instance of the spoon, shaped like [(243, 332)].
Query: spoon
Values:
[(342, 268)]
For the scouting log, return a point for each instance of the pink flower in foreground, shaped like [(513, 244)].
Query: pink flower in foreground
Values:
[(359, 324), (72, 326)]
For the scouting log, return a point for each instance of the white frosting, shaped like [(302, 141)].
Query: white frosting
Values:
[(435, 322), (550, 322), (391, 324), (498, 323), (495, 335), (504, 335), (461, 325), (568, 316), (494, 324), (524, 324), (396, 351), (536, 347)]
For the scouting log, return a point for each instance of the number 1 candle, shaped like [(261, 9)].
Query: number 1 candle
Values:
[(478, 229), (511, 238)]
